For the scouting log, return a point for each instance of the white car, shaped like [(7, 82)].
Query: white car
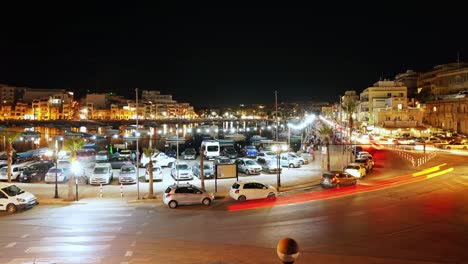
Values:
[(248, 190), (157, 173), (248, 166), (62, 174), (102, 174), (301, 160), (356, 169), (159, 158), (181, 171), (13, 198), (128, 174), (16, 170)]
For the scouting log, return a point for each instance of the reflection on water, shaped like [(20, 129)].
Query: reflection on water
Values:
[(47, 135)]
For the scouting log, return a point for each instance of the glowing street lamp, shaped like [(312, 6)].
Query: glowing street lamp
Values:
[(278, 147)]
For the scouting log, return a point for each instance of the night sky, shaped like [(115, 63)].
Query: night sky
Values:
[(225, 55)]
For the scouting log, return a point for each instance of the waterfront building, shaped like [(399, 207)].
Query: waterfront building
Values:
[(449, 112)]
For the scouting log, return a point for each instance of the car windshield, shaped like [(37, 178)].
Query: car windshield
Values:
[(250, 147), (182, 167), (12, 190), (156, 169), (352, 167), (250, 162), (102, 153), (207, 167), (127, 169), (100, 170), (54, 170), (189, 151)]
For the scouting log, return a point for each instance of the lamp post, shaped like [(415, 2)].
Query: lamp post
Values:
[(56, 168), (278, 147), (137, 149)]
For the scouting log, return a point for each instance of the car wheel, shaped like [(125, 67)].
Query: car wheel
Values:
[(242, 198), (271, 196), (247, 172), (206, 201), (448, 147), (291, 165), (172, 204), (11, 208)]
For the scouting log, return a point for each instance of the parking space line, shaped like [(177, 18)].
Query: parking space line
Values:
[(12, 244)]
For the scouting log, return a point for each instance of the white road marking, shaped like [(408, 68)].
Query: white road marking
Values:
[(71, 248), (71, 239), (12, 244), (88, 260), (129, 253), (25, 236)]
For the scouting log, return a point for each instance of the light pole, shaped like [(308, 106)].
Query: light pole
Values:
[(56, 168), (177, 152), (137, 149), (278, 147)]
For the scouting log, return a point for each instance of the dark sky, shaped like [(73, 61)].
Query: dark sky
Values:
[(225, 55)]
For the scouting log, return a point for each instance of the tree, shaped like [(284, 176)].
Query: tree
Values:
[(349, 105), (149, 153), (325, 132), (72, 144), (10, 138)]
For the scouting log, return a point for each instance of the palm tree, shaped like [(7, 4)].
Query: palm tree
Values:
[(72, 144), (349, 105), (149, 153), (325, 132), (10, 138)]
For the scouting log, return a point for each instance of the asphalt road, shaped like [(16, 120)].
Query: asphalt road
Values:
[(408, 221)]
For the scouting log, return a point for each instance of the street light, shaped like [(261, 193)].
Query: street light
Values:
[(278, 147)]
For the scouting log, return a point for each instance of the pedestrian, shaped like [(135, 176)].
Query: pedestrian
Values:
[(312, 153), (133, 156)]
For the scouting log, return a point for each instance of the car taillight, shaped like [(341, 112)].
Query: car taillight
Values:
[(168, 195), (334, 179), (237, 191)]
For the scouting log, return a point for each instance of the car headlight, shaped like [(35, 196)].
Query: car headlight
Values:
[(21, 200)]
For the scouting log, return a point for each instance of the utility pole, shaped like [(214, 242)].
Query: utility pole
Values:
[(202, 171), (137, 150)]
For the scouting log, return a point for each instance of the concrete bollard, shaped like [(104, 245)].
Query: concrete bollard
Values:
[(100, 190), (121, 190)]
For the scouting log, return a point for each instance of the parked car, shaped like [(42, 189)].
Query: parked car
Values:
[(13, 198), (266, 155), (128, 174), (229, 152), (171, 153), (208, 170), (125, 153), (455, 145), (102, 174), (301, 159), (287, 160), (332, 179), (157, 173), (158, 158), (268, 165), (367, 162), (103, 156), (248, 190), (249, 151), (248, 166), (62, 173), (222, 160), (189, 154), (186, 194), (356, 169), (118, 161), (181, 171), (16, 170), (35, 172)]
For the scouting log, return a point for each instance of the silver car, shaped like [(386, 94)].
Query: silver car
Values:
[(128, 174), (186, 194), (208, 170)]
